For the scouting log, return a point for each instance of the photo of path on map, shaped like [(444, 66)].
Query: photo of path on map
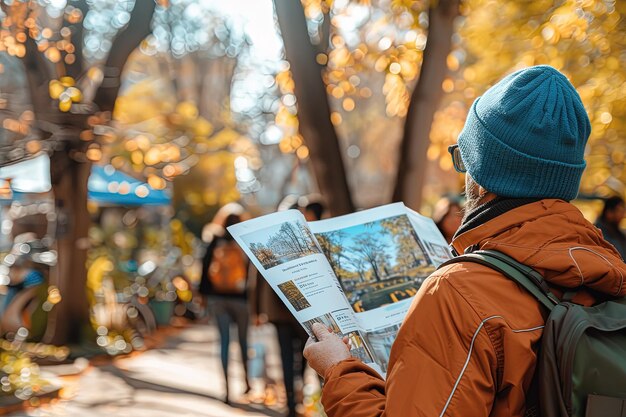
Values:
[(377, 263)]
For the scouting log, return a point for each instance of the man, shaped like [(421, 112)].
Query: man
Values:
[(468, 345), (609, 220)]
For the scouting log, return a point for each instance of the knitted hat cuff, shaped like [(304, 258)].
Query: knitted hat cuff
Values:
[(507, 172)]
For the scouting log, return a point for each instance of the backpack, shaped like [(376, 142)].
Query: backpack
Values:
[(228, 268), (581, 367)]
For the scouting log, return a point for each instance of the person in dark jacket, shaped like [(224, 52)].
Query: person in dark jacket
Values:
[(224, 285), (609, 220)]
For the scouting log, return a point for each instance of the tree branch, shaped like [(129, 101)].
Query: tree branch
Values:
[(76, 69), (125, 43), (325, 29), (38, 76)]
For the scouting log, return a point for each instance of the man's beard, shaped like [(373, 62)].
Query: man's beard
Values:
[(472, 197)]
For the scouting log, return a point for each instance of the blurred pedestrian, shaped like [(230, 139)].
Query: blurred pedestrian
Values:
[(447, 215), (225, 270), (268, 307), (312, 206), (25, 279), (612, 214), (23, 274)]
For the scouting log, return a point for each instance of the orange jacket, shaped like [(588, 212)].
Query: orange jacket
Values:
[(468, 345)]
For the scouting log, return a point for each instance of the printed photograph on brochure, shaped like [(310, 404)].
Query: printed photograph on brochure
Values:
[(281, 243), (377, 263)]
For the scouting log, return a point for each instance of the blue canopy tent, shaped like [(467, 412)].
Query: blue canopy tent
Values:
[(106, 185), (15, 196), (27, 180)]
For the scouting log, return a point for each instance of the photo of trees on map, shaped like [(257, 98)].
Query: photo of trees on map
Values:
[(377, 263), (294, 295), (281, 243)]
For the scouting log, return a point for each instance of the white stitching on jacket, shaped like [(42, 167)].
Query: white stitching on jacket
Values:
[(469, 355), (582, 278), (532, 329)]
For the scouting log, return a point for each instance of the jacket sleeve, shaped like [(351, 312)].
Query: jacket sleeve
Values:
[(442, 364)]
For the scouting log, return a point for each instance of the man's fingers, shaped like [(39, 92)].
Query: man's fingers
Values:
[(328, 350), (307, 347), (309, 342), (320, 331)]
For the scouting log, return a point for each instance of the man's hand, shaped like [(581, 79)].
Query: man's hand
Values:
[(327, 351)]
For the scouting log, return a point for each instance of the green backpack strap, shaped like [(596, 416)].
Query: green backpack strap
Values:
[(524, 275)]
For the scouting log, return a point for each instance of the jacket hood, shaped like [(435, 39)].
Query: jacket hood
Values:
[(553, 237)]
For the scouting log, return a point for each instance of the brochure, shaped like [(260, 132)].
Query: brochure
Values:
[(356, 274)]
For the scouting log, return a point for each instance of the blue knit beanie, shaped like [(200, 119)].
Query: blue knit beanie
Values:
[(526, 136)]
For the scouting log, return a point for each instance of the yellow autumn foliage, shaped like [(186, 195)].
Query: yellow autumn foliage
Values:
[(583, 39)]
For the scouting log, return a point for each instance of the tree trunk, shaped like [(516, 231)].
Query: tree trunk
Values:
[(70, 169), (69, 319), (313, 108), (376, 272), (76, 69), (424, 103)]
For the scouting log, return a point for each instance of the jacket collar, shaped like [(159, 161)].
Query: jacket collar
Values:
[(488, 220), (553, 237), (490, 210)]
